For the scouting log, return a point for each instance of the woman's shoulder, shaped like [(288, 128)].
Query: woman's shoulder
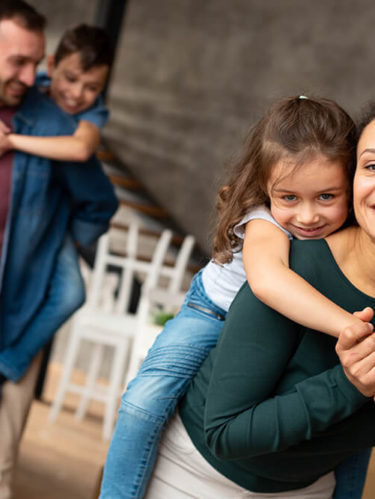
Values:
[(311, 258), (300, 247)]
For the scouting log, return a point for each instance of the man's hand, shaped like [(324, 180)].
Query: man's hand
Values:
[(356, 350)]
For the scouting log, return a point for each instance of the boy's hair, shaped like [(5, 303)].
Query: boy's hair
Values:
[(91, 42), (295, 129), (23, 14)]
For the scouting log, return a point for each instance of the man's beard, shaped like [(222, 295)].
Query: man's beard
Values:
[(9, 98)]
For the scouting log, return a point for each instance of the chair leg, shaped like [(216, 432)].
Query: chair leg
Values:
[(134, 363), (92, 376), (70, 358)]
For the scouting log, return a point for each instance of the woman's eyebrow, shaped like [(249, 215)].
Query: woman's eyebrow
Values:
[(372, 150)]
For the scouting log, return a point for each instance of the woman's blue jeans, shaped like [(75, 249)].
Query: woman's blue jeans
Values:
[(152, 396), (351, 476)]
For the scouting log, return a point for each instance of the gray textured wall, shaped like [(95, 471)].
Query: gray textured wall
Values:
[(191, 75)]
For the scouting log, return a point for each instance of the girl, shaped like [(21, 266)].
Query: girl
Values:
[(317, 138)]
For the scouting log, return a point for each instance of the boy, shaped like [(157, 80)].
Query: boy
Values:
[(76, 76), (41, 201)]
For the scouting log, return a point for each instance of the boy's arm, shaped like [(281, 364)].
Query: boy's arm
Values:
[(266, 262), (77, 147)]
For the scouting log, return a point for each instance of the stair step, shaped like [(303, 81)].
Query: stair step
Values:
[(125, 182), (153, 211)]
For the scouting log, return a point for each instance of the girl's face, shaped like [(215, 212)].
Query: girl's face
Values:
[(364, 181), (311, 200)]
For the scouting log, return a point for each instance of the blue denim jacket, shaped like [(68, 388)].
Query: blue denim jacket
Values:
[(47, 199)]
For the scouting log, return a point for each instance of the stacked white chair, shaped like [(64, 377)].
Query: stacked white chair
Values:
[(106, 322), (167, 299)]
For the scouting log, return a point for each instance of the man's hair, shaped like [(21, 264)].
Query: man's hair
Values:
[(22, 13), (91, 43)]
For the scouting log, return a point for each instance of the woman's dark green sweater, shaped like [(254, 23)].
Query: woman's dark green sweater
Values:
[(271, 407)]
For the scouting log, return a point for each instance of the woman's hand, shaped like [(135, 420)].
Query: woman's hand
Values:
[(356, 350)]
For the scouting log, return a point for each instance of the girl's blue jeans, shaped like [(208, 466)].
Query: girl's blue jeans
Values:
[(152, 396)]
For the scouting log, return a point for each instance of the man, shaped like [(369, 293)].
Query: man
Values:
[(40, 201)]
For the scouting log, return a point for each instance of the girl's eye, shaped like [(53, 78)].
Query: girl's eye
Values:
[(290, 197), (370, 168), (325, 196)]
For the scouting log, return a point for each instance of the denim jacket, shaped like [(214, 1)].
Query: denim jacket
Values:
[(48, 198)]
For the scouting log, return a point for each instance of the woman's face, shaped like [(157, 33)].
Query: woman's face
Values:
[(364, 181)]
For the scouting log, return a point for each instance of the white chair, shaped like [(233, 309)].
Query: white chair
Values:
[(168, 300), (104, 321)]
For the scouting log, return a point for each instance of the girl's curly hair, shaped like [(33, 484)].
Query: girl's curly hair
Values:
[(294, 129)]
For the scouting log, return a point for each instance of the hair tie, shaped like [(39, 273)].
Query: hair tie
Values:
[(303, 97)]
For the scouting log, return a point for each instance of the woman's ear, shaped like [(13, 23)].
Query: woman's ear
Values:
[(50, 64)]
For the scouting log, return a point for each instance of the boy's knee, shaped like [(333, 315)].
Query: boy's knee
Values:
[(72, 298)]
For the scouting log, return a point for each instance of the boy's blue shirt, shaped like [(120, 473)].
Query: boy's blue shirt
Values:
[(97, 114), (48, 198)]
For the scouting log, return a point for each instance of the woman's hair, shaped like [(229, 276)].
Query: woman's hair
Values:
[(92, 43), (368, 115), (294, 129)]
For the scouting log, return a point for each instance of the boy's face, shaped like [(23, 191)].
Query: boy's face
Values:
[(73, 89)]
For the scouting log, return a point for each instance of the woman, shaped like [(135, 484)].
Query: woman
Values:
[(271, 410)]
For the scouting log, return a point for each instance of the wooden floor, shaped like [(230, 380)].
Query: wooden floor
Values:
[(63, 460), (60, 460)]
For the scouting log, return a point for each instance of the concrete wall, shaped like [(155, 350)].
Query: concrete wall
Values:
[(191, 76)]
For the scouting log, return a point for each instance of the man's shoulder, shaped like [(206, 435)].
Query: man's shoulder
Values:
[(44, 115)]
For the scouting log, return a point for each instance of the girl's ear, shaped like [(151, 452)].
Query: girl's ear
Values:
[(50, 64)]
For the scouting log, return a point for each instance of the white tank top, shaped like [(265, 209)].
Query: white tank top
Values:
[(222, 281)]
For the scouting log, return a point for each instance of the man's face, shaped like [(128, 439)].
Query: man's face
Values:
[(21, 51)]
